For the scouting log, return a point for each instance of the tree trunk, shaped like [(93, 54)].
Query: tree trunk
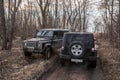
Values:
[(2, 25)]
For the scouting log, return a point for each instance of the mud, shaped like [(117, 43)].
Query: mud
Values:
[(73, 71)]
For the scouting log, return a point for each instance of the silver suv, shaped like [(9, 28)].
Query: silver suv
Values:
[(44, 42)]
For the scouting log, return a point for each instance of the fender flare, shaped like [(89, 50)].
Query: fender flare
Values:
[(47, 45)]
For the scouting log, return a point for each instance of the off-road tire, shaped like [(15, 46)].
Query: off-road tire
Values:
[(48, 53), (92, 64), (27, 54), (62, 62), (77, 43)]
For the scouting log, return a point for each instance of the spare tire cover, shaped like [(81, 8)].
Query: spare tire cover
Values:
[(76, 49)]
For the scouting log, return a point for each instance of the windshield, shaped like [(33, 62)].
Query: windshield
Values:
[(43, 33)]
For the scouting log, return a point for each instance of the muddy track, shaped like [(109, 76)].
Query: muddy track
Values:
[(72, 71)]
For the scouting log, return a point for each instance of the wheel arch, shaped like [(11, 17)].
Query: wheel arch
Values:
[(48, 45)]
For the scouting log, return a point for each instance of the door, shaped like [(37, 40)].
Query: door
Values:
[(57, 39)]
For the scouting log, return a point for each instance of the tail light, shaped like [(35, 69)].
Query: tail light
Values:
[(93, 49)]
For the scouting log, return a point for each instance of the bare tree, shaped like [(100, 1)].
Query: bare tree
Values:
[(13, 10), (23, 20), (43, 5), (111, 21), (3, 26)]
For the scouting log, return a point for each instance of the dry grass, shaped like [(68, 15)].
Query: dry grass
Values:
[(14, 66), (110, 58)]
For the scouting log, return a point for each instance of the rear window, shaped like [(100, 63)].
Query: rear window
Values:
[(77, 37)]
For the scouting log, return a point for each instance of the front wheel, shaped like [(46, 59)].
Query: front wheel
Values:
[(27, 54), (48, 53)]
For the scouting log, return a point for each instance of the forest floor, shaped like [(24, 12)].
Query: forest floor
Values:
[(14, 66), (110, 60)]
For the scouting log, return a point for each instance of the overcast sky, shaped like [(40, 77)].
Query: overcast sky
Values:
[(94, 13)]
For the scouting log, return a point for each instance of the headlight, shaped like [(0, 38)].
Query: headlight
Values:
[(25, 44), (39, 45)]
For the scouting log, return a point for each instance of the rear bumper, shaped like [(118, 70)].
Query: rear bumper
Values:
[(62, 56), (68, 57)]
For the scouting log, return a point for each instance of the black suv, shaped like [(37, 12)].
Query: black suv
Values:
[(79, 47), (45, 42)]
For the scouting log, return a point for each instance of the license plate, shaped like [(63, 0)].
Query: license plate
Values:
[(77, 60)]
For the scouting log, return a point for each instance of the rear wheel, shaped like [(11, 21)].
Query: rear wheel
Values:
[(48, 53), (92, 64), (62, 61), (27, 54)]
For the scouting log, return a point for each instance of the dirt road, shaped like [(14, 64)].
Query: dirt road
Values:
[(15, 66), (73, 71)]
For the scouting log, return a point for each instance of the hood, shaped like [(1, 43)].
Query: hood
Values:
[(36, 39)]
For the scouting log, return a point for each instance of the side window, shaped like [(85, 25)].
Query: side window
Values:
[(48, 33), (58, 34)]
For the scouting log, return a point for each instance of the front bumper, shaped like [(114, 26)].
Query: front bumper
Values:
[(33, 50)]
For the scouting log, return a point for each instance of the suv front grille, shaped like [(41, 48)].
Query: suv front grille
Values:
[(31, 44)]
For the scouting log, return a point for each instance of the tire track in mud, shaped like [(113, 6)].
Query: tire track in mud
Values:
[(72, 71), (97, 73), (68, 72)]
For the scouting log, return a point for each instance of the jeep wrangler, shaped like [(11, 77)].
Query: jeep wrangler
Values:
[(79, 47), (44, 42)]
